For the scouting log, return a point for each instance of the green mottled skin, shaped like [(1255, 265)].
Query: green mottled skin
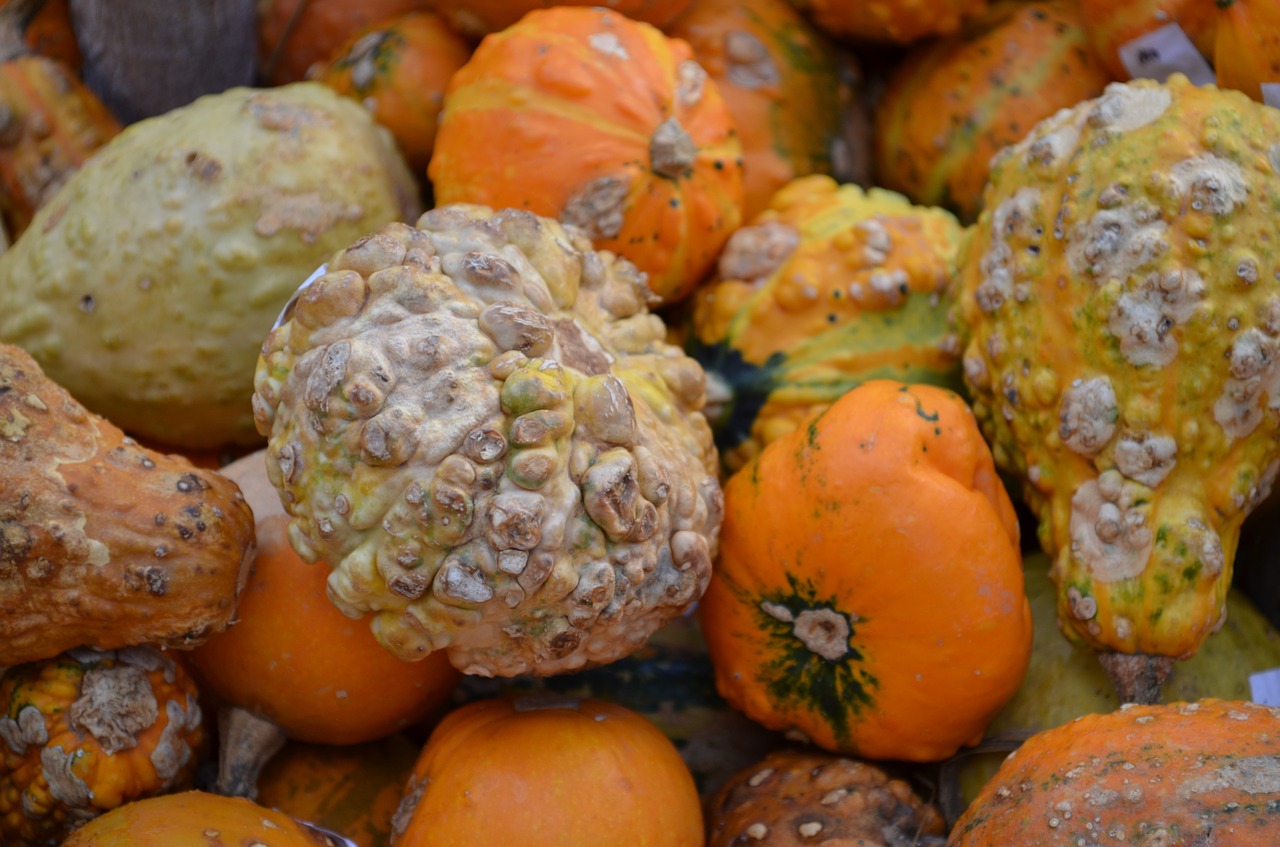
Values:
[(1089, 217)]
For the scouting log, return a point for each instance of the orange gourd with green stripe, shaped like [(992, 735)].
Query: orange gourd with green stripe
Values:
[(829, 288), (869, 590), (953, 104), (782, 80), (88, 731), (605, 123)]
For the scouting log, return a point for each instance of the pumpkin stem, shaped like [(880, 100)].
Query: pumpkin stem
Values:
[(1137, 678), (671, 149), (246, 743), (15, 17)]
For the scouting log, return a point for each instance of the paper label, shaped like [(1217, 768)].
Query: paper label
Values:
[(1264, 687), (1163, 52), (287, 311), (1271, 94)]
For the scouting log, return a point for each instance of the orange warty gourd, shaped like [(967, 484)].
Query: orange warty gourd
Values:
[(605, 123), (869, 590), (477, 18), (953, 103), (189, 818), (293, 35), (88, 731), (1182, 774), (787, 88), (541, 769), (399, 70), (900, 21), (352, 791), (294, 660)]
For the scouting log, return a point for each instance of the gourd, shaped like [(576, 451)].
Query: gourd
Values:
[(790, 91), (186, 820), (293, 666), (891, 21), (540, 770), (50, 123), (478, 18), (953, 103), (89, 731), (831, 287), (295, 35), (106, 544), (869, 592), (477, 424), (606, 124), (398, 70), (1182, 773)]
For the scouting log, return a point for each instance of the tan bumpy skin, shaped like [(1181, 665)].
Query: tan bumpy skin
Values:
[(479, 425), (1122, 296), (103, 543)]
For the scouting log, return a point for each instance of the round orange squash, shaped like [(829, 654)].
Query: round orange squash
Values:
[(605, 123), (399, 70), (785, 86), (869, 590), (294, 660), (540, 769), (196, 819), (293, 35)]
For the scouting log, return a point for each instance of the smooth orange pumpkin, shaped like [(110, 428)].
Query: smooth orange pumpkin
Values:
[(196, 819), (352, 791), (294, 660), (605, 123), (293, 35), (540, 769), (399, 70), (869, 590), (784, 84)]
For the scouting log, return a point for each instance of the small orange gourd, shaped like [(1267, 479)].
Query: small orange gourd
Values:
[(869, 590), (540, 769), (297, 664), (605, 123), (293, 35), (477, 18), (197, 819), (88, 731), (399, 70)]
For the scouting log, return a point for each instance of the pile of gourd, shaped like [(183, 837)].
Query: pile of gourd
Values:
[(485, 422)]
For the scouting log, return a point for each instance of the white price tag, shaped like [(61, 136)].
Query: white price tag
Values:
[(1161, 53), (1264, 687), (1271, 94)]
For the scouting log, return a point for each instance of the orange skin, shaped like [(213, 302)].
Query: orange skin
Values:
[(294, 659), (786, 123), (412, 64), (50, 34), (537, 115), (183, 820), (477, 18), (319, 30), (1182, 774), (869, 589), (550, 771), (1113, 23), (353, 791), (1247, 45)]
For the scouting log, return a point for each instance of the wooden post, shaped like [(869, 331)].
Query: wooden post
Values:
[(144, 57)]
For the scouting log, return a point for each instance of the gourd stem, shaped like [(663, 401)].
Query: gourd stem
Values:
[(950, 794), (1137, 678), (246, 743), (277, 49)]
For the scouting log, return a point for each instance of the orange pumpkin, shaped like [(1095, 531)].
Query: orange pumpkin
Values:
[(1201, 773), (352, 791), (605, 123), (294, 660), (899, 21), (540, 769), (477, 18), (869, 588), (293, 35), (399, 70), (197, 819), (49, 32), (784, 85)]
